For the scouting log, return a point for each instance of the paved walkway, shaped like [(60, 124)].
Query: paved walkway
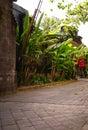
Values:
[(58, 108)]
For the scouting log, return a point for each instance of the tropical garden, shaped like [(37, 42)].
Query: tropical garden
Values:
[(52, 47)]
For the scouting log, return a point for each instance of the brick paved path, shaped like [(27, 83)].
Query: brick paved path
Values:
[(57, 108)]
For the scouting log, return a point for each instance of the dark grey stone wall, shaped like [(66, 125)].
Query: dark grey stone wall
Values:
[(7, 47)]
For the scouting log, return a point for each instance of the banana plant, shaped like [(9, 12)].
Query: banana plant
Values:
[(45, 54), (34, 52), (62, 58)]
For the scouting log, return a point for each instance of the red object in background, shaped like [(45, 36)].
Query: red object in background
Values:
[(81, 63)]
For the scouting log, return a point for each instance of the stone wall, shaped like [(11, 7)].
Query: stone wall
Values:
[(7, 47)]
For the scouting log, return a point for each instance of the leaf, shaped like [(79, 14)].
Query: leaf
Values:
[(51, 1), (26, 22), (39, 22)]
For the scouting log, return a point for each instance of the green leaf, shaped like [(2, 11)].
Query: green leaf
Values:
[(26, 22), (51, 1)]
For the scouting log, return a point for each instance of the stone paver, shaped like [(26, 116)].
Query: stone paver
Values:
[(58, 108)]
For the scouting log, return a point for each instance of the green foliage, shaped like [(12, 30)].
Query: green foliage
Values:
[(39, 79), (51, 1), (26, 22), (80, 12), (49, 54), (25, 28), (76, 12), (62, 57), (81, 51), (49, 24)]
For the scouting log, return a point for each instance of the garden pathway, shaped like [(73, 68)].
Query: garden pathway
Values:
[(62, 107)]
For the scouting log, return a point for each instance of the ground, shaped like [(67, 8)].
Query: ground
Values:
[(63, 107)]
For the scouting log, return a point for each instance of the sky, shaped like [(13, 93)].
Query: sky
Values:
[(31, 5)]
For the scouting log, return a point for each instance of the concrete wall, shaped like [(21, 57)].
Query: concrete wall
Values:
[(7, 47)]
